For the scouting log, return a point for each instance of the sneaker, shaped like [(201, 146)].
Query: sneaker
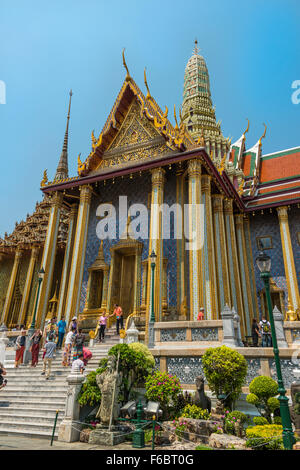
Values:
[(42, 373), (47, 378)]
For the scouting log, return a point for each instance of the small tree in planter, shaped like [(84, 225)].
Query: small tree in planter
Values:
[(225, 370), (163, 388), (262, 394)]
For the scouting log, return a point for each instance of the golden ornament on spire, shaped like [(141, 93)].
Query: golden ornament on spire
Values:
[(264, 134), (146, 85), (247, 128), (175, 117), (125, 65), (45, 179), (94, 140), (222, 164)]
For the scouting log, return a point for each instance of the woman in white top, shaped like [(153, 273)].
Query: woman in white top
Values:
[(66, 359)]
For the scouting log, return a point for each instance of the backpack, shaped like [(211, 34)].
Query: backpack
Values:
[(265, 327), (79, 340)]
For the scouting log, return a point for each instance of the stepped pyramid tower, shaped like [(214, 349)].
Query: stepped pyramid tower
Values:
[(198, 113)]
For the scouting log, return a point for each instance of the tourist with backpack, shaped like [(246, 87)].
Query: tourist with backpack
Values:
[(265, 328), (49, 350), (66, 358), (78, 344)]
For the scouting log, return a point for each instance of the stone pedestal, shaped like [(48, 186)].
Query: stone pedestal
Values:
[(3, 344), (103, 436), (132, 334), (228, 328), (69, 429), (278, 321), (237, 327)]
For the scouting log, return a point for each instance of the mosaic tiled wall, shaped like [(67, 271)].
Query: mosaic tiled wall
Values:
[(294, 224), (267, 225), (170, 246), (287, 367), (5, 271), (137, 190), (186, 368)]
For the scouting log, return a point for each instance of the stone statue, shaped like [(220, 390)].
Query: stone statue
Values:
[(109, 383), (200, 399), (295, 408)]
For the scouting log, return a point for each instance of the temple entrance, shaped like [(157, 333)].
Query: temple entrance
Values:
[(96, 289), (123, 280)]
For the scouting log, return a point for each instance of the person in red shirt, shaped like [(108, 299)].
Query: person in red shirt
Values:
[(201, 314), (119, 316)]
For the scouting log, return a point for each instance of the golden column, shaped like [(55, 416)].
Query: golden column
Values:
[(244, 271), (145, 263), (209, 266), (104, 289), (196, 234), (48, 258), (235, 281), (78, 254), (251, 266), (11, 285), (181, 263), (288, 257), (67, 261), (28, 283), (221, 252), (156, 244)]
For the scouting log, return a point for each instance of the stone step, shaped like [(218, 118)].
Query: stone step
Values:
[(31, 403), (41, 393), (27, 418), (31, 412), (27, 429)]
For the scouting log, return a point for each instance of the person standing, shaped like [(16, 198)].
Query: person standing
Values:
[(61, 332), (35, 346), (3, 381), (78, 344), (50, 348), (73, 324), (200, 314), (102, 325), (255, 333), (265, 328), (119, 316), (20, 347), (66, 359)]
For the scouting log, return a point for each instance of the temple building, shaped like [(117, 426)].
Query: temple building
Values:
[(141, 160)]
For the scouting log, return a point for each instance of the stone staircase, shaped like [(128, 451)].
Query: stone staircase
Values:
[(29, 402)]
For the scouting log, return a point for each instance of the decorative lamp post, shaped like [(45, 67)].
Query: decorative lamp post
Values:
[(263, 262), (40, 278), (153, 259), (152, 314)]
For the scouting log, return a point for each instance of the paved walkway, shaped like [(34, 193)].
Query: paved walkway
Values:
[(28, 443)]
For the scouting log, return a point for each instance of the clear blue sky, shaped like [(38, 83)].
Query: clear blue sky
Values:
[(252, 50)]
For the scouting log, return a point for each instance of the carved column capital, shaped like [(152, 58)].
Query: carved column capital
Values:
[(228, 205), (158, 177), (282, 213), (206, 183), (217, 202), (239, 220), (194, 167), (85, 193), (57, 199)]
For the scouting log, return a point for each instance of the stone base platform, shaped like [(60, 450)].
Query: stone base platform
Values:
[(102, 436)]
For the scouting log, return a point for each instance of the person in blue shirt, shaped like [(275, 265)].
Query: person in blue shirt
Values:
[(61, 332)]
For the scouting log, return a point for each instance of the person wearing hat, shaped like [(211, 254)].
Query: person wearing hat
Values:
[(200, 314), (73, 325)]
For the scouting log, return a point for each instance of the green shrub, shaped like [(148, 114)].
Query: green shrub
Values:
[(260, 421), (262, 394), (195, 412), (90, 393), (225, 370), (162, 387), (277, 420), (135, 362), (230, 418), (297, 403), (267, 437)]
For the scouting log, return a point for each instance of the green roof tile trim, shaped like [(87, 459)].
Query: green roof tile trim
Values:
[(280, 154)]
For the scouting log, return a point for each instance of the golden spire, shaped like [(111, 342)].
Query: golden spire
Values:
[(147, 87), (45, 179), (196, 50), (264, 134), (125, 65)]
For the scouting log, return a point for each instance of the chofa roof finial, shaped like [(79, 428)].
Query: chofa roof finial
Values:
[(125, 65)]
